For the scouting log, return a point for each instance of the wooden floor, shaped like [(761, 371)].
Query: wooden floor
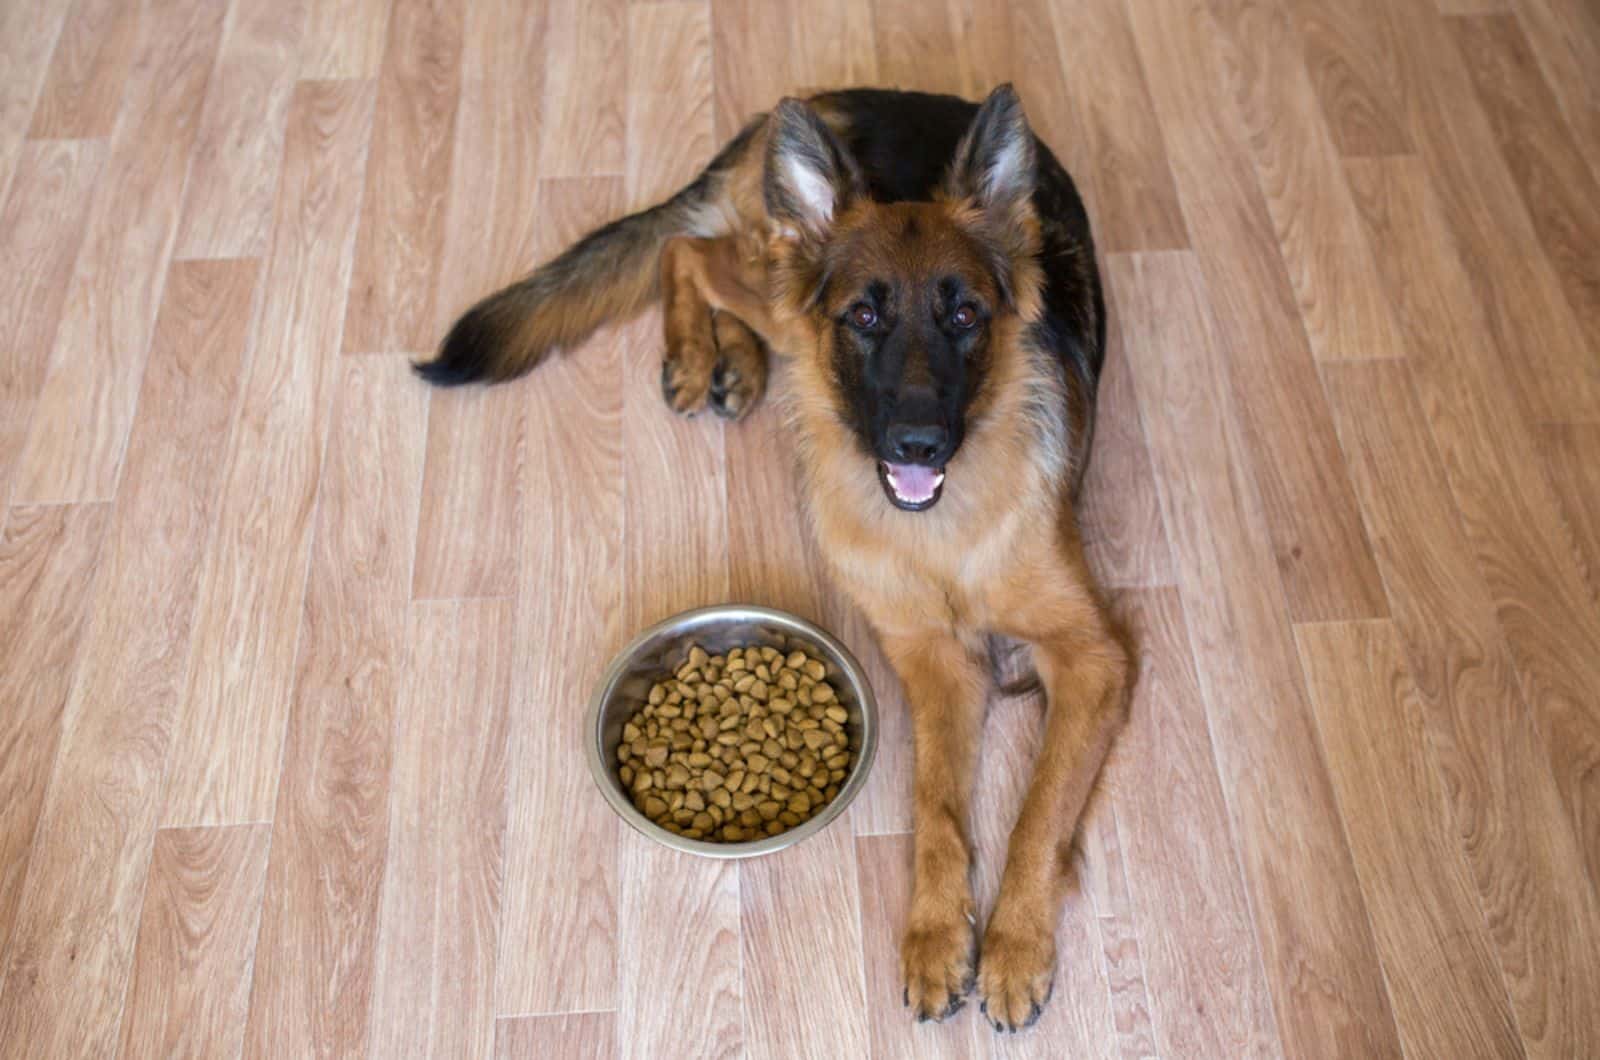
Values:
[(294, 653)]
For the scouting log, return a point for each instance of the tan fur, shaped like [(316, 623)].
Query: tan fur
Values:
[(999, 553)]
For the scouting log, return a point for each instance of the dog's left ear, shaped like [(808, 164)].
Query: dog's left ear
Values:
[(994, 165)]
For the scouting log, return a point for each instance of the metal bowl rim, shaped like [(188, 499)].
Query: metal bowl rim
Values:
[(688, 621)]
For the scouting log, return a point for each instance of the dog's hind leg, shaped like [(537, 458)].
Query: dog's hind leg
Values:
[(739, 377), (713, 356)]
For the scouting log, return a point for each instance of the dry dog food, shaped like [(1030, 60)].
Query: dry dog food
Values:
[(736, 747)]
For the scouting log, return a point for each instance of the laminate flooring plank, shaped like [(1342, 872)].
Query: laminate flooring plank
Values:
[(1511, 518), (64, 976), (1323, 557), (238, 152), (1310, 918), (434, 993), (235, 705), (47, 565), (83, 89), (86, 408), (1440, 970), (41, 228), (316, 959), (394, 281), (559, 917), (197, 935)]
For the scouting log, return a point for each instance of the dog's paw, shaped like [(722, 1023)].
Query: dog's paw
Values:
[(1015, 978), (686, 379), (733, 393), (936, 962)]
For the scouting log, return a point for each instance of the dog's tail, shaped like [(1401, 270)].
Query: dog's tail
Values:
[(610, 274)]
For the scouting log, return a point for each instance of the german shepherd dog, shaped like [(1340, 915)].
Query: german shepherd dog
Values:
[(923, 270)]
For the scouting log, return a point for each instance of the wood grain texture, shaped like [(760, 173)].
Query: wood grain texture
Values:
[(1354, 67), (1524, 307), (1127, 181), (1441, 973), (659, 886), (28, 35), (344, 39), (1510, 515), (984, 58), (751, 75), (909, 35), (470, 535), (1528, 873), (559, 919), (1344, 308), (1128, 993), (585, 44), (191, 970), (78, 434), (62, 983), (1311, 922), (1185, 900), (235, 705), (498, 229), (315, 961), (47, 563), (1571, 455), (1562, 195), (578, 1036), (1124, 539), (392, 290), (1565, 34), (796, 911), (434, 994), (41, 228), (83, 90), (669, 136), (239, 148), (1324, 560)]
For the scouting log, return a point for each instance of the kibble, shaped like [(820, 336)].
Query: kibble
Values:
[(735, 747)]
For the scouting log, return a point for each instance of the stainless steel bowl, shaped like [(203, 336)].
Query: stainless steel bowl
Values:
[(663, 647)]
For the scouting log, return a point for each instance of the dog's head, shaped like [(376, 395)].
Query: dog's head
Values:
[(906, 309)]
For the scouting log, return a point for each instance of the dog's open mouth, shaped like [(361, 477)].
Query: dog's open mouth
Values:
[(911, 487)]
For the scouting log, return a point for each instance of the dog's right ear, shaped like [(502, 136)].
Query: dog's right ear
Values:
[(810, 176)]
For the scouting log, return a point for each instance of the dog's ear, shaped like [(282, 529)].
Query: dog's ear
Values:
[(994, 165), (810, 176)]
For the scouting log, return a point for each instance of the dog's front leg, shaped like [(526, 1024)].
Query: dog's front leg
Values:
[(945, 688), (1084, 670)]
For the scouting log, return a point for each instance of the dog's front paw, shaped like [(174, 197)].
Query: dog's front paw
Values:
[(1015, 977), (936, 961)]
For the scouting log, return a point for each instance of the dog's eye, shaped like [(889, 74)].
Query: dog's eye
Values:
[(964, 317), (863, 316)]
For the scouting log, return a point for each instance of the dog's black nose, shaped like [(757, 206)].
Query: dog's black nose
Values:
[(916, 443)]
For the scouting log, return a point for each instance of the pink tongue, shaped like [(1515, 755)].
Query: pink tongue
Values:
[(913, 482)]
